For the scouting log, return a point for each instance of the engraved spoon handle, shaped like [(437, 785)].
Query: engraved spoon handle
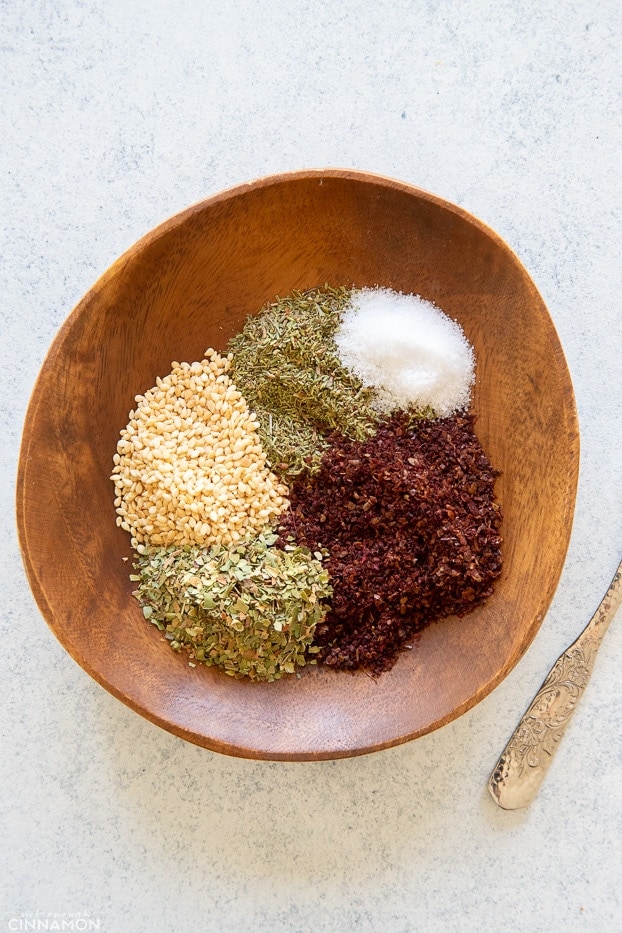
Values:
[(518, 774)]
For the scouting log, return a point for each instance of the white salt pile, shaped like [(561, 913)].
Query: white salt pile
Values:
[(408, 350)]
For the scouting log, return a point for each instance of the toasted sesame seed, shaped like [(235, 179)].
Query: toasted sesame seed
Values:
[(189, 467)]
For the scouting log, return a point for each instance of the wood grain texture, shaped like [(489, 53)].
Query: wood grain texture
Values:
[(189, 285)]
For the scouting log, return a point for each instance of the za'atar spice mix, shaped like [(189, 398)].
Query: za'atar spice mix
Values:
[(316, 495)]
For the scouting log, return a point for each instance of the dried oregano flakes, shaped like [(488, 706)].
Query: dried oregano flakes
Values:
[(249, 609)]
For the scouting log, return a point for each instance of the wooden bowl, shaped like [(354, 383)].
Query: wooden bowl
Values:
[(190, 284)]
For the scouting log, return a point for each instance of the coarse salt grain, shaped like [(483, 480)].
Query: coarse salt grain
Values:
[(408, 350)]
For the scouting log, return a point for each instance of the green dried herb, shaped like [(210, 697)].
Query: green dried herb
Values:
[(249, 609), (285, 363)]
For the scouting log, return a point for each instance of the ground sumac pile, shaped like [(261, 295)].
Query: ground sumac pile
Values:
[(412, 528)]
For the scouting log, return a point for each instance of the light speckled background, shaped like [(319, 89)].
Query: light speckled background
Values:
[(114, 116)]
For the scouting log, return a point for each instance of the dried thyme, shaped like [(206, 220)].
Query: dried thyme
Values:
[(285, 363), (248, 609)]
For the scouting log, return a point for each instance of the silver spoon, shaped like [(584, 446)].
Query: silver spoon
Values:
[(518, 774)]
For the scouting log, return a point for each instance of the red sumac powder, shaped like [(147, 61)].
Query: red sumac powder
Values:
[(412, 528)]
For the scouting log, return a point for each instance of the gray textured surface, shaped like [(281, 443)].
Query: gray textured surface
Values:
[(118, 114)]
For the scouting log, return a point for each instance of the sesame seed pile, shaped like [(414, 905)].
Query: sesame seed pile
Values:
[(190, 468)]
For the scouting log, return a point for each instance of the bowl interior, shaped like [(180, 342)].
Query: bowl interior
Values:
[(189, 285)]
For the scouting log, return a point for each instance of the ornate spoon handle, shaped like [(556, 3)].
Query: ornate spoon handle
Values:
[(518, 774)]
